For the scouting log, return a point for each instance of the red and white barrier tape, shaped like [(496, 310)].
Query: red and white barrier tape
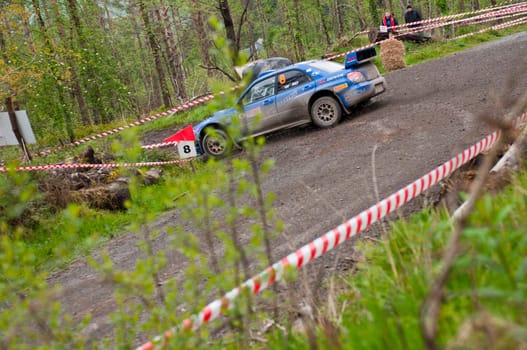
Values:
[(182, 107), (332, 238), (498, 16), (77, 166), (495, 27), (510, 9), (495, 15), (457, 15), (159, 145), (441, 18)]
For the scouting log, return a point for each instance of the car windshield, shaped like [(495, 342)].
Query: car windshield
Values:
[(326, 66)]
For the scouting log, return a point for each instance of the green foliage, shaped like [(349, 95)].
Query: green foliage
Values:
[(209, 199), (442, 6), (18, 198), (382, 301), (28, 314), (487, 287), (18, 62)]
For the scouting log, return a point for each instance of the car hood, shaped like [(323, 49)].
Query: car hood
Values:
[(222, 117)]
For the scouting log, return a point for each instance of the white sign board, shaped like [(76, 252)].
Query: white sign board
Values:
[(383, 29), (7, 137), (186, 149)]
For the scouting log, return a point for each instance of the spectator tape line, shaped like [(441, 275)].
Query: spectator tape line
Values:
[(331, 239), (517, 8), (182, 107), (77, 166)]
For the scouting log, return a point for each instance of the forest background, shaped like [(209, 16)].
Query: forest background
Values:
[(80, 66), (77, 66)]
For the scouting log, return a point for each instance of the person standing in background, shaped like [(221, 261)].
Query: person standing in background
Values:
[(411, 16), (389, 22)]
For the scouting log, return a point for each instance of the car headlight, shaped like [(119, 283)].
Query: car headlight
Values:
[(355, 77)]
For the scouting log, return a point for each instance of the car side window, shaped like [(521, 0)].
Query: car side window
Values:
[(291, 79), (260, 90)]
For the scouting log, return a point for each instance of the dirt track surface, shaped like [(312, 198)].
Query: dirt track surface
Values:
[(323, 177)]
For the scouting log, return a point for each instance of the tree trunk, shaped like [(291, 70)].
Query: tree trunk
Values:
[(297, 30), (361, 15), (181, 42), (389, 6), (27, 32), (197, 20), (250, 30), (156, 51), (338, 18), (105, 24), (263, 21), (374, 12), (147, 74), (174, 59), (74, 14), (461, 6), (124, 75), (323, 22), (291, 30), (229, 27), (76, 89), (166, 50)]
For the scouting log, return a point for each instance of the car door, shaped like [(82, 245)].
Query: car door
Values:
[(294, 88), (259, 107)]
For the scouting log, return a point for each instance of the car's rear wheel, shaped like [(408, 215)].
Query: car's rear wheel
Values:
[(326, 112), (216, 143)]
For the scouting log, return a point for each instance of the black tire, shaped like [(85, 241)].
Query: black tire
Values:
[(326, 112), (216, 143)]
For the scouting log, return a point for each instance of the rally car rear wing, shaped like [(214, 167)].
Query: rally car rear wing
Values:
[(358, 57)]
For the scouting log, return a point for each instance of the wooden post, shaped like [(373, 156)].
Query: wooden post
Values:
[(16, 128)]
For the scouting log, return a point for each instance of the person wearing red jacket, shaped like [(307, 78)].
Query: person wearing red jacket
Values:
[(389, 21)]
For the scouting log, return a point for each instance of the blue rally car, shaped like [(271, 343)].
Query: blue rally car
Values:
[(315, 91)]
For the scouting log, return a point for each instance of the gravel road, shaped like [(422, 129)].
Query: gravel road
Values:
[(323, 177)]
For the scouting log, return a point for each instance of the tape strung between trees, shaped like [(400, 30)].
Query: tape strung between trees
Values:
[(492, 9)]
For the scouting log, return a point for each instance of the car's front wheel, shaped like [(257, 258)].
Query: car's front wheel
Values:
[(326, 112), (216, 143)]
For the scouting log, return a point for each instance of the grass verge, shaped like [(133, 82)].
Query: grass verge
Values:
[(486, 295)]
